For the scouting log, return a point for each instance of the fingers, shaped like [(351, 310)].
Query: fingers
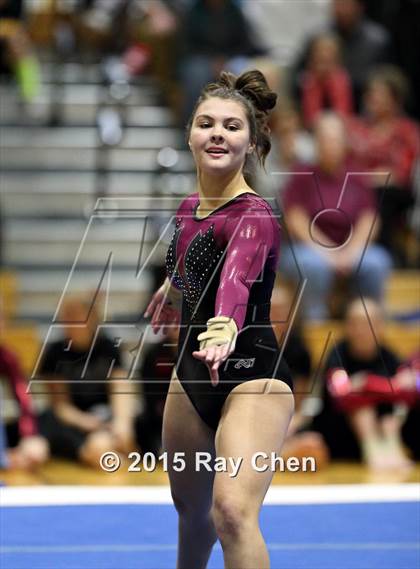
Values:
[(214, 376), (156, 299), (207, 356), (163, 318), (150, 308), (213, 356)]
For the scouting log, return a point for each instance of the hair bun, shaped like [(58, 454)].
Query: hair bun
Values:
[(254, 86)]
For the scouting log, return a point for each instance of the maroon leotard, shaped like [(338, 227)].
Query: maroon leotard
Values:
[(225, 265)]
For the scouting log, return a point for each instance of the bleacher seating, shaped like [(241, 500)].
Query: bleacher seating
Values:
[(48, 179)]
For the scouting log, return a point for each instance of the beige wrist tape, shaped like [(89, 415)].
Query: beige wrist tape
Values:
[(220, 330)]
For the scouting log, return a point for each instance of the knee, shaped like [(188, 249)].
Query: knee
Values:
[(230, 518), (182, 505), (191, 512), (376, 261), (94, 447)]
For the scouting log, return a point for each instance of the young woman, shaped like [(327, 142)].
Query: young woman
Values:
[(230, 393)]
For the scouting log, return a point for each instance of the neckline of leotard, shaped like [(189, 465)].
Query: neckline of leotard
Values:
[(220, 206)]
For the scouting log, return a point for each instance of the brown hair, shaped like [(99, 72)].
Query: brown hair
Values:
[(395, 81), (252, 91)]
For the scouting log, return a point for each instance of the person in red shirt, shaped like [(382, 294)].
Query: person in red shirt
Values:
[(330, 213), (387, 144), (24, 447), (326, 85), (370, 428)]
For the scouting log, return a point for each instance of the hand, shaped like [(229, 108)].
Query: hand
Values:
[(163, 310), (216, 344), (358, 381), (343, 260), (405, 378), (34, 450), (91, 423), (213, 357)]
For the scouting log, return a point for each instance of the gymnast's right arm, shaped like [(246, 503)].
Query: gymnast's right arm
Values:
[(165, 307)]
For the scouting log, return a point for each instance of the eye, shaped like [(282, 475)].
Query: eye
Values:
[(233, 127), (204, 125)]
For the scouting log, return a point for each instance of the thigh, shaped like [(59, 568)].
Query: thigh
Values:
[(65, 440), (375, 258), (255, 418), (185, 432)]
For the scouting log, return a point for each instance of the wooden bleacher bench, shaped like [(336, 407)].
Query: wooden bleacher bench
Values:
[(25, 343), (404, 339), (402, 292), (8, 294)]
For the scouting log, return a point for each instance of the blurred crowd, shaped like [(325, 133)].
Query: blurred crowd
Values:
[(344, 170), (363, 403)]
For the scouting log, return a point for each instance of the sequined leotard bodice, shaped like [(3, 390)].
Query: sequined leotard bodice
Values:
[(225, 265)]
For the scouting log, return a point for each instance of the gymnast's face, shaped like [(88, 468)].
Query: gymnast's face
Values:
[(220, 136)]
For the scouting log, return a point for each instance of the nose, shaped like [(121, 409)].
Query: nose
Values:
[(217, 136)]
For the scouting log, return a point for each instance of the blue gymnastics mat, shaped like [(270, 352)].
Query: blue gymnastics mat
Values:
[(370, 535)]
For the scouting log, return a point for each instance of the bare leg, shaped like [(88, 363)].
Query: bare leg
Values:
[(251, 421), (94, 446), (366, 428), (391, 429), (185, 432)]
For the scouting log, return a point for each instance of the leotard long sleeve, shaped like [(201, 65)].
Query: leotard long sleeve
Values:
[(239, 241)]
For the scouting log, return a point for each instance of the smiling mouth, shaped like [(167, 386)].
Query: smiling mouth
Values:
[(218, 151)]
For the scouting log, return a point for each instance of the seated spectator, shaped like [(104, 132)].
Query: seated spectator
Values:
[(387, 144), (330, 215), (326, 85), (369, 431), (216, 36), (289, 335), (291, 144), (24, 447), (92, 406), (364, 44), (18, 49), (154, 37), (288, 329), (155, 376), (410, 429)]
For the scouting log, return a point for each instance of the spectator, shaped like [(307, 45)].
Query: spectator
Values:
[(289, 335), (371, 432), (330, 216), (288, 329), (156, 32), (364, 44), (387, 144), (411, 426), (291, 144), (25, 448), (326, 85), (18, 49), (89, 414), (155, 376), (103, 24), (216, 36)]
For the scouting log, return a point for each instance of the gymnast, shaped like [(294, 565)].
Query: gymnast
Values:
[(231, 391)]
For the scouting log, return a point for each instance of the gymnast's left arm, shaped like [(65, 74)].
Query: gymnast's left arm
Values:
[(247, 250)]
